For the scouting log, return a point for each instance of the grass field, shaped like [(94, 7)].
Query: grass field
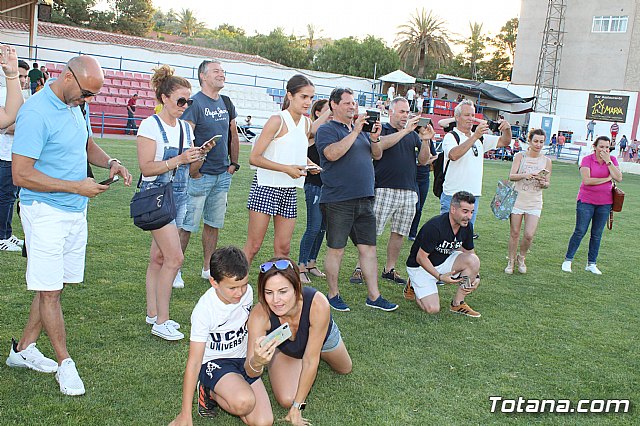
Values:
[(546, 334)]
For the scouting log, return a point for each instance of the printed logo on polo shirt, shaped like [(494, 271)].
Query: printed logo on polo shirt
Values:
[(447, 247), (218, 114), (229, 339)]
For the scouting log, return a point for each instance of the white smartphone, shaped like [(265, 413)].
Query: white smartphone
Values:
[(543, 173), (213, 140), (308, 167), (110, 181), (280, 334)]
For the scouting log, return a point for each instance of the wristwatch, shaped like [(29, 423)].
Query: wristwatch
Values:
[(299, 405), (236, 165), (111, 160), (609, 163)]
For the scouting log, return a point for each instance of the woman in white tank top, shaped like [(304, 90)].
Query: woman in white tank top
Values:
[(280, 154), (531, 172)]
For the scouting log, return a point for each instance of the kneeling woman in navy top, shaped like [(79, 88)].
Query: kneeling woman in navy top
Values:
[(294, 364)]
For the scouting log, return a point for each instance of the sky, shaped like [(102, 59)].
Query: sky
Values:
[(344, 18)]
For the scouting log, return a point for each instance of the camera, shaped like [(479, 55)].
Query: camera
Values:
[(372, 117), (493, 126)]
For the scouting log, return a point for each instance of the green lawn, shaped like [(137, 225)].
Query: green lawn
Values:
[(546, 334)]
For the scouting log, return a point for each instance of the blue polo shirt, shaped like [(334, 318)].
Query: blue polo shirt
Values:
[(351, 176), (55, 135), (397, 167)]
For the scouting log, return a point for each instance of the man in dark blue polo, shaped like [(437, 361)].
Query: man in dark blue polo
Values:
[(347, 195)]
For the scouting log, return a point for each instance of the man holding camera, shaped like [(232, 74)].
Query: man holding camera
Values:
[(464, 149), (395, 180), (347, 194)]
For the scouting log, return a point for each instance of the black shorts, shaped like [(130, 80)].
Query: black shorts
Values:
[(351, 218), (212, 371)]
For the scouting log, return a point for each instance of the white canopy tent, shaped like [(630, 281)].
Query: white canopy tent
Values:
[(398, 76)]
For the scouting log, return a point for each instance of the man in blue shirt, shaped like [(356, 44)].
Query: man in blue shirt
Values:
[(50, 150), (347, 195), (210, 114)]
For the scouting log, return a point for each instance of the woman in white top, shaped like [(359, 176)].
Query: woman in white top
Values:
[(280, 154), (158, 142)]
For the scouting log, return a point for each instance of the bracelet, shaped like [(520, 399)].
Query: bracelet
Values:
[(13, 77), (254, 370), (166, 163), (439, 275)]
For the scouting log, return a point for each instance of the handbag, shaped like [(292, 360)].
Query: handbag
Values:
[(504, 200), (506, 195), (618, 201), (154, 208)]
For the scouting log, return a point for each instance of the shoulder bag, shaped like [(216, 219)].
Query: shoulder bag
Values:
[(154, 208)]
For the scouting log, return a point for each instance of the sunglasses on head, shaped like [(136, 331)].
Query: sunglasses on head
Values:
[(184, 101), (280, 265)]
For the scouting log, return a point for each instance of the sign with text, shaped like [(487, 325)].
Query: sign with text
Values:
[(607, 107)]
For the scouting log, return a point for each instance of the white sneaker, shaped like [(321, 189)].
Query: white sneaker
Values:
[(172, 323), (166, 331), (17, 241), (593, 269), (178, 282), (566, 266), (205, 274), (30, 357), (7, 245), (69, 379)]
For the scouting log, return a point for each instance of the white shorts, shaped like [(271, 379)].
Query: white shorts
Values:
[(56, 242), (423, 283), (536, 212)]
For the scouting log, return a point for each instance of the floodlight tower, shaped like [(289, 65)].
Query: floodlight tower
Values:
[(546, 90)]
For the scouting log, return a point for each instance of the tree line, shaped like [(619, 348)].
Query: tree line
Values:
[(423, 45)]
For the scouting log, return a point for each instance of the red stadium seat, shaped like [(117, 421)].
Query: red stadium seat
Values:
[(145, 85), (128, 75), (121, 101), (100, 99), (124, 92), (108, 82), (134, 92), (135, 84), (110, 100), (146, 77), (149, 103), (113, 90), (126, 83), (110, 73), (120, 74), (116, 82)]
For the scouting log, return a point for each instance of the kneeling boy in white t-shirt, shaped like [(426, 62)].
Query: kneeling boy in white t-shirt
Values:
[(218, 347)]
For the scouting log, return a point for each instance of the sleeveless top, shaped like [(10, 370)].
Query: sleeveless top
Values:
[(296, 348), (290, 149), (529, 190)]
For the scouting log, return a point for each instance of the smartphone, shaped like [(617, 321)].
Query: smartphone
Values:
[(424, 122), (110, 181), (543, 173), (464, 282), (372, 117), (214, 139), (280, 334), (313, 168)]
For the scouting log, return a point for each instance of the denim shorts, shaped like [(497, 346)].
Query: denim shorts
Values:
[(208, 198), (212, 371), (351, 218), (333, 340)]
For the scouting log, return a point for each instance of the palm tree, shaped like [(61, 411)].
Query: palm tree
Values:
[(188, 24), (423, 39), (474, 48)]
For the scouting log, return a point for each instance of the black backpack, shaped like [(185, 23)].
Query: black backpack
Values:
[(438, 173)]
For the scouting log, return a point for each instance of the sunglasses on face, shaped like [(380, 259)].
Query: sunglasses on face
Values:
[(280, 265), (184, 101), (85, 93)]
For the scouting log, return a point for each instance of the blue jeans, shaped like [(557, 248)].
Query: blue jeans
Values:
[(8, 194), (314, 234), (445, 203), (422, 185), (558, 150), (586, 213), (131, 123)]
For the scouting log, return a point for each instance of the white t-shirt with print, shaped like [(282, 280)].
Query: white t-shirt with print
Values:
[(149, 129), (222, 327), (465, 174)]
